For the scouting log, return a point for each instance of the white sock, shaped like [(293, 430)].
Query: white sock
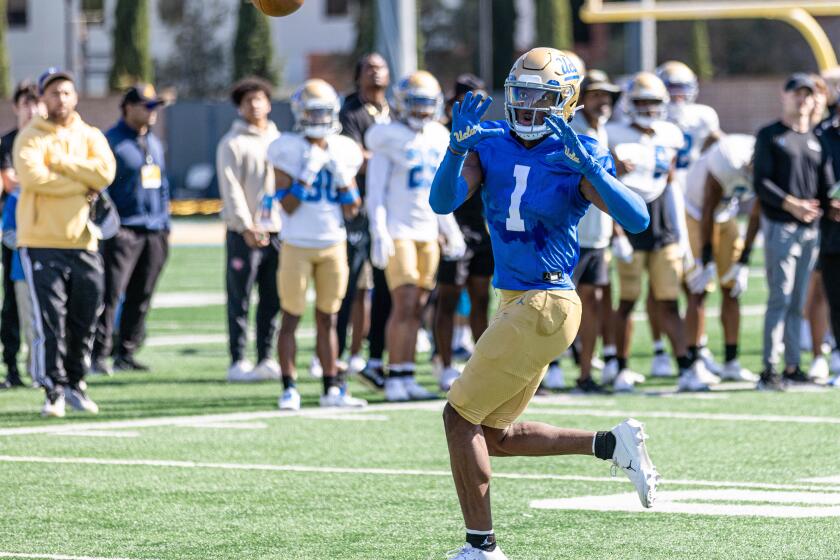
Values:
[(658, 345)]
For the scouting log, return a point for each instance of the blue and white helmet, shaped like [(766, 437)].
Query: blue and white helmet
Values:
[(315, 108), (418, 99)]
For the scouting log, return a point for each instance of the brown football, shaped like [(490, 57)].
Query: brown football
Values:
[(278, 8)]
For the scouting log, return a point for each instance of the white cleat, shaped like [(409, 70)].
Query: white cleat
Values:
[(54, 409), (241, 372), (554, 378), (834, 381), (415, 391), (610, 372), (289, 400), (819, 369), (336, 399), (315, 369), (395, 390), (732, 371), (597, 363), (661, 366), (355, 364), (632, 458), (424, 342), (690, 382), (267, 370), (448, 377), (467, 552), (709, 361), (703, 373), (78, 399), (626, 380)]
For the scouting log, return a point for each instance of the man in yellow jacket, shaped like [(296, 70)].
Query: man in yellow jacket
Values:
[(62, 164)]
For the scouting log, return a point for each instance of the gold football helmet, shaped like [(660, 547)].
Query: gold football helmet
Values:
[(541, 81), (419, 99), (315, 108), (646, 99), (679, 79)]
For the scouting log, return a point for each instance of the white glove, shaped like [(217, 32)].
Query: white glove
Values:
[(699, 276), (454, 246), (314, 161), (621, 248), (740, 274), (381, 250), (343, 175)]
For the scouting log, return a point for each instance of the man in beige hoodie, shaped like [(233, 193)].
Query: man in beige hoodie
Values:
[(62, 164), (251, 215)]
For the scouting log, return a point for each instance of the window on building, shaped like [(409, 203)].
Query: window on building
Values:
[(93, 11), (337, 8), (16, 13)]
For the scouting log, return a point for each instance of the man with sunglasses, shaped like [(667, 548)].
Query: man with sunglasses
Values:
[(134, 258)]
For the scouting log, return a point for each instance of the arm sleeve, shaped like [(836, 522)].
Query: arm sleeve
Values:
[(97, 170), (237, 214), (768, 192), (378, 171), (36, 177), (449, 188)]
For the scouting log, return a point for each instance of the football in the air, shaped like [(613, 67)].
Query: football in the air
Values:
[(278, 8)]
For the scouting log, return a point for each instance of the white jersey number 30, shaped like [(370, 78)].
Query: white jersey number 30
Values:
[(514, 221)]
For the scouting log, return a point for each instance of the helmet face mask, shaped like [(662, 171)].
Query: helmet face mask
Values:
[(315, 108), (646, 100), (543, 81), (419, 100)]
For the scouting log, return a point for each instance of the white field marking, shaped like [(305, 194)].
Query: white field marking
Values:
[(824, 479), (392, 472), (54, 556), (97, 433), (713, 311), (170, 300), (697, 502), (352, 417), (572, 400), (689, 416), (696, 396), (213, 338), (229, 425)]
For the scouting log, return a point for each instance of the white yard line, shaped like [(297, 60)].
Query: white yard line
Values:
[(54, 556), (688, 416), (97, 433), (824, 479), (387, 472)]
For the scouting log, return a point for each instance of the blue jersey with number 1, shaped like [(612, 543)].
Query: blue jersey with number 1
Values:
[(532, 210)]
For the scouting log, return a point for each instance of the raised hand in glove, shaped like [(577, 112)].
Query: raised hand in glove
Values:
[(466, 123)]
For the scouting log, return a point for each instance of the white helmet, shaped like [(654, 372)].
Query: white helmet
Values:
[(543, 80), (315, 108), (679, 80), (646, 99), (418, 99)]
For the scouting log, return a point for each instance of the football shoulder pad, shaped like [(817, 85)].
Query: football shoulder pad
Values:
[(287, 153), (389, 138)]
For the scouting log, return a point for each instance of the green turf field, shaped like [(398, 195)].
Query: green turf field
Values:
[(181, 465)]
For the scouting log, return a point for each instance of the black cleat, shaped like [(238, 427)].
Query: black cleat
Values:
[(373, 377), (100, 366), (128, 363), (797, 376), (770, 381), (589, 385)]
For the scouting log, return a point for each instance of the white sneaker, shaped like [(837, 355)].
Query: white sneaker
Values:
[(447, 377), (709, 360), (424, 341), (54, 409), (78, 400), (732, 371), (834, 363), (355, 364), (315, 369), (690, 382), (632, 458), (336, 399), (554, 378), (834, 381), (240, 372), (467, 552), (597, 363), (289, 400), (395, 390), (610, 372), (819, 368), (267, 370), (415, 391), (626, 380), (703, 373), (661, 366)]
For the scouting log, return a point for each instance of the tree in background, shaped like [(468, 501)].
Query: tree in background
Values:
[(365, 27), (554, 24), (253, 54), (131, 60), (5, 86), (504, 26), (701, 51)]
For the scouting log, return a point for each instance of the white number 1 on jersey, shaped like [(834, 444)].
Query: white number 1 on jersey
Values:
[(514, 221)]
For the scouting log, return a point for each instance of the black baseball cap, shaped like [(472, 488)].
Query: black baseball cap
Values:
[(142, 94), (468, 82), (51, 75), (800, 80)]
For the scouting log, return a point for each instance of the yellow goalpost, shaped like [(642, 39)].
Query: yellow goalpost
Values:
[(798, 14)]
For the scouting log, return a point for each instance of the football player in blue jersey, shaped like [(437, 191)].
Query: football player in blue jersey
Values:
[(536, 178)]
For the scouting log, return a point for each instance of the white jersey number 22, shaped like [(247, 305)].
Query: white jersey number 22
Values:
[(514, 221)]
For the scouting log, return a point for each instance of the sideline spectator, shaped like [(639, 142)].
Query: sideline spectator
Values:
[(134, 258), (790, 173), (246, 182), (62, 163), (14, 317)]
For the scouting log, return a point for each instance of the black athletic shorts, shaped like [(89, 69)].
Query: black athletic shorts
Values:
[(593, 268), (477, 261)]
